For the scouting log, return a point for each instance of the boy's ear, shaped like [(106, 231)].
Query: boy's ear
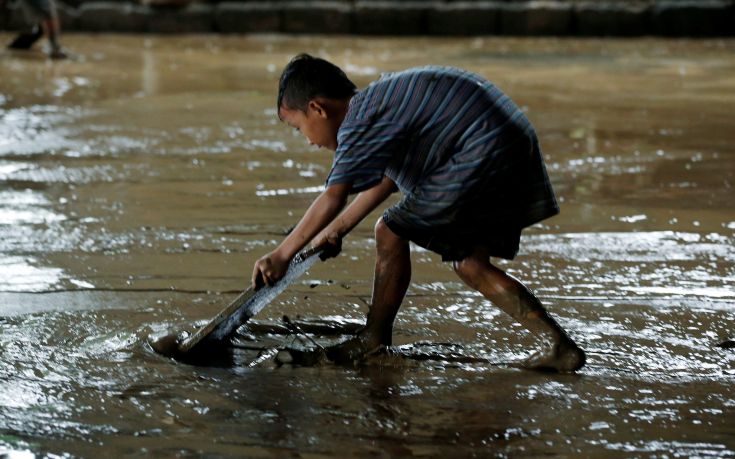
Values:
[(318, 108)]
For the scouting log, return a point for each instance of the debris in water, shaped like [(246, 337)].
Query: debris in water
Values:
[(167, 343)]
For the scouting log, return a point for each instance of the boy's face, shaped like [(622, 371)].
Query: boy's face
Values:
[(316, 124)]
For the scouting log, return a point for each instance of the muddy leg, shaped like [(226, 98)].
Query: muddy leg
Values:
[(390, 282), (53, 30), (514, 298)]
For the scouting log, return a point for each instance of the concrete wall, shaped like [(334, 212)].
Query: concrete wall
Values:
[(696, 18)]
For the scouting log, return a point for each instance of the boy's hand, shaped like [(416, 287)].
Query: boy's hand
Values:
[(329, 242), (269, 269)]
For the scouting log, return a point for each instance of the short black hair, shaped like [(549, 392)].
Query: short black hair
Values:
[(307, 77)]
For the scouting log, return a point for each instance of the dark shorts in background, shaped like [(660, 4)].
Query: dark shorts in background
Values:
[(38, 10)]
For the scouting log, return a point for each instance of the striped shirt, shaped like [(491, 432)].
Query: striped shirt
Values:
[(454, 144)]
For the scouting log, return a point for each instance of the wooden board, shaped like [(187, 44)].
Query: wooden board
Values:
[(238, 309)]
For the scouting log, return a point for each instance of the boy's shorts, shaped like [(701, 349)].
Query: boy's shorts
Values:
[(453, 217), (456, 246)]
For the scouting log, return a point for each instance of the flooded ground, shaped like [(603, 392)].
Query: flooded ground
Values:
[(140, 180)]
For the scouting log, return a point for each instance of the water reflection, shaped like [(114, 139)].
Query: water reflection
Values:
[(27, 131), (26, 207), (21, 274), (288, 191), (139, 182), (149, 76)]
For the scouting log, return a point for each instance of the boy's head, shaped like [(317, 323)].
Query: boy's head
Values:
[(313, 96)]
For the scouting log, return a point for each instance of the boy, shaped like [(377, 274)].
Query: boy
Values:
[(472, 176), (43, 17)]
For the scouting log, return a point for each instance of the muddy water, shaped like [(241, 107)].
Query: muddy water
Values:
[(141, 179)]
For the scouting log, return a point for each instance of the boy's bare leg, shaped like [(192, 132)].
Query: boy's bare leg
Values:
[(53, 30), (514, 298), (390, 283)]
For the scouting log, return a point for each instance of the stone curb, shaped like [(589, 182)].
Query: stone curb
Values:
[(695, 18), (536, 18), (607, 19), (465, 18), (316, 17), (194, 18), (236, 17), (112, 17), (390, 18)]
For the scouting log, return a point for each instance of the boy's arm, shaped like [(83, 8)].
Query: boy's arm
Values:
[(271, 267), (358, 209)]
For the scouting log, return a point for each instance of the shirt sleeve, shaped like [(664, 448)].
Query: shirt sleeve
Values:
[(365, 148)]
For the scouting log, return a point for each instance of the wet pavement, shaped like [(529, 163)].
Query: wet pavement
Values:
[(141, 179)]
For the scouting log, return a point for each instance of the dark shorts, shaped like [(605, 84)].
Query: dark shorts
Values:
[(478, 198), (39, 10), (455, 245)]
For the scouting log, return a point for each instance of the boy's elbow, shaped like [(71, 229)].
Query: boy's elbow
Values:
[(389, 185), (338, 193)]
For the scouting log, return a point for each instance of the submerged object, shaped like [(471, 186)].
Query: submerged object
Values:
[(167, 343), (300, 357), (727, 344), (217, 331)]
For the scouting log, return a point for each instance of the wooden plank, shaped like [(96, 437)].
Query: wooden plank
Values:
[(234, 307)]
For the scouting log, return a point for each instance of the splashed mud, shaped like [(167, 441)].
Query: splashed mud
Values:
[(141, 179)]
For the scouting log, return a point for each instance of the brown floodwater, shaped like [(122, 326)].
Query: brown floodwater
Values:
[(141, 179)]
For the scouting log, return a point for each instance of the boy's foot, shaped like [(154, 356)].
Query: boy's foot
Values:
[(25, 40), (58, 53), (562, 358), (300, 357), (353, 350)]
